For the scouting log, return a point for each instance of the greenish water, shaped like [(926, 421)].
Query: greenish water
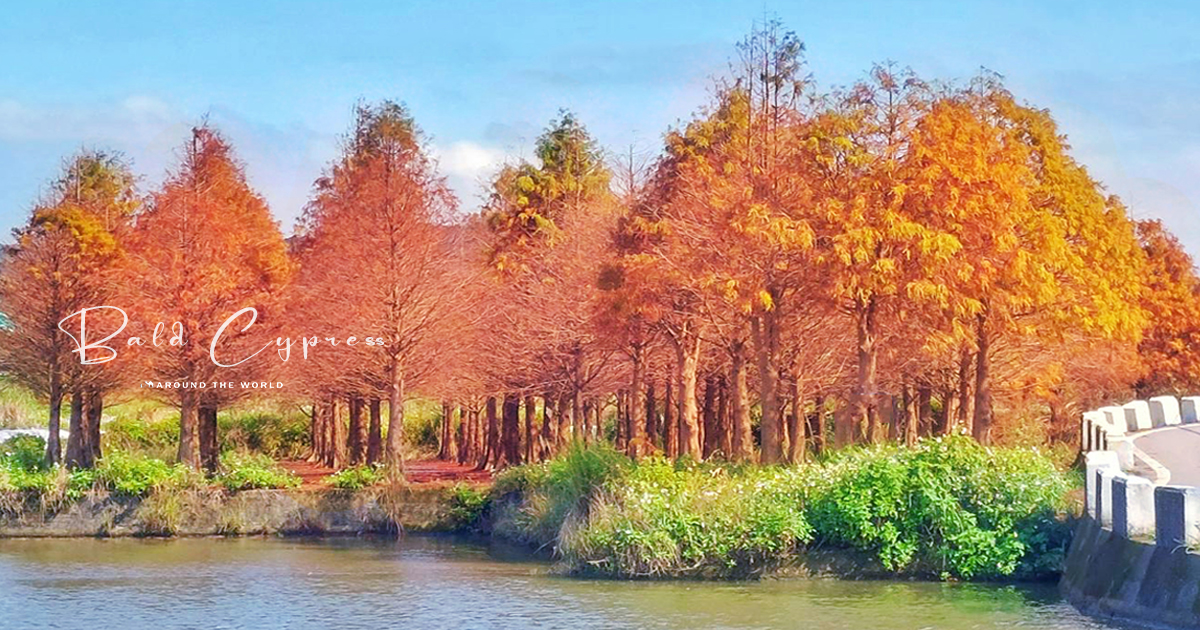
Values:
[(432, 583)]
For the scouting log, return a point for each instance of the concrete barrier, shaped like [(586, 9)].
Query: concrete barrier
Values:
[(1114, 420), (1164, 411), (1137, 416), (1133, 507), (1177, 516), (1123, 447), (1090, 431), (1095, 462), (1188, 407), (1104, 503)]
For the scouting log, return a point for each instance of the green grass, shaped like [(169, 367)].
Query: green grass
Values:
[(251, 472), (20, 409), (947, 508), (356, 478)]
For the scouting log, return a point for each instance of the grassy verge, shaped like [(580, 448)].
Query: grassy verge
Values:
[(948, 509), (24, 478)]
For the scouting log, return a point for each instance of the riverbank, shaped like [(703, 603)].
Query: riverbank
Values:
[(217, 512), (946, 509)]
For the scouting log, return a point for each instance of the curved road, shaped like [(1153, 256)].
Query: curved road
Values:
[(1177, 448)]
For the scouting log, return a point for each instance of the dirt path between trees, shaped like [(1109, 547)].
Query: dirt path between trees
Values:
[(418, 471)]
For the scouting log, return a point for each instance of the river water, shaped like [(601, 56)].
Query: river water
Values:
[(434, 584)]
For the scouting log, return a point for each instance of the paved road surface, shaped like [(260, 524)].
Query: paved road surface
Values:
[(1178, 450)]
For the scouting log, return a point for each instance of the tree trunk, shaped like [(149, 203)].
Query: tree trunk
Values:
[(925, 410), (566, 420), (864, 389), (889, 419), (77, 436), (688, 355), (796, 425), (724, 419), (710, 416), (843, 426), (670, 422), (314, 435), (466, 428), (489, 457), (210, 451), (619, 425), (636, 434), (93, 418), (766, 340), (393, 449), (337, 437), (819, 427), (549, 419), (651, 416), (447, 448), (966, 405), (54, 436), (356, 435), (577, 419), (375, 432), (530, 434), (742, 442), (189, 450), (911, 416), (982, 428)]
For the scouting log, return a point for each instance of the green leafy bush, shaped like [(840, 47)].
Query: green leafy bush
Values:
[(696, 521), (134, 475), (279, 435), (948, 506), (27, 452), (422, 424), (249, 472), (356, 478), (149, 434), (559, 489), (467, 506)]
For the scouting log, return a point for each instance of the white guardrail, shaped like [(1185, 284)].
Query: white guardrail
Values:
[(1133, 506)]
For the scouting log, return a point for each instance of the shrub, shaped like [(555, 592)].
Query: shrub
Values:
[(27, 452), (133, 475), (691, 521), (356, 478), (279, 435), (150, 434), (467, 505), (948, 506), (248, 472), (559, 489), (422, 423)]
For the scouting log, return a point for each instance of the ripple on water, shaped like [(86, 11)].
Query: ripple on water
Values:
[(434, 583)]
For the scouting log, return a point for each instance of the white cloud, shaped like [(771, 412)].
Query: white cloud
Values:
[(468, 166)]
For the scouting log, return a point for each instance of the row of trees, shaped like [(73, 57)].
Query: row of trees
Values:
[(892, 259)]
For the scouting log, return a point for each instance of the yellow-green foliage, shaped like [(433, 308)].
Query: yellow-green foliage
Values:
[(250, 472), (19, 408), (279, 432), (356, 477)]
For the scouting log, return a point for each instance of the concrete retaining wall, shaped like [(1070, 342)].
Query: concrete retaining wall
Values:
[(214, 512), (1133, 557), (1113, 577)]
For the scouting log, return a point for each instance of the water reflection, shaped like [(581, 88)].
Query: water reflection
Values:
[(440, 583)]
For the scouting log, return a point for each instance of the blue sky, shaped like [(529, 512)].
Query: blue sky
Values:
[(280, 78)]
